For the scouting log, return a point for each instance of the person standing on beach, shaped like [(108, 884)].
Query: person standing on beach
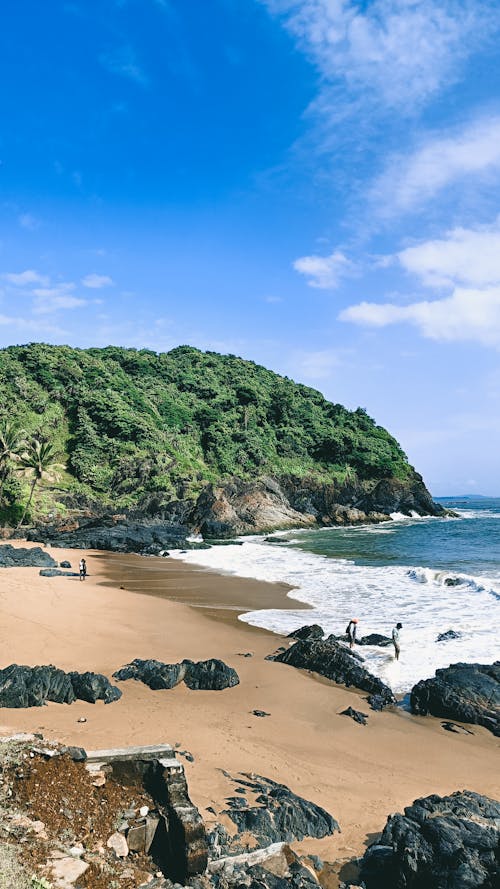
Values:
[(83, 569), (351, 631), (396, 640)]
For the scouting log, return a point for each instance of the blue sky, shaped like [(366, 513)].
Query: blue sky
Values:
[(311, 184)]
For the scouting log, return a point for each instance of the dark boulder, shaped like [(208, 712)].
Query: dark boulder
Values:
[(56, 572), (22, 686), (375, 639), (14, 557), (210, 675), (439, 842), (65, 564), (463, 692), (153, 673), (281, 815), (450, 634), (147, 537), (357, 715), (331, 659), (311, 631), (92, 687)]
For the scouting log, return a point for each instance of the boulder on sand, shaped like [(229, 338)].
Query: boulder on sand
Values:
[(336, 662), (210, 675), (281, 815), (154, 674), (463, 692), (22, 686), (16, 557), (450, 841)]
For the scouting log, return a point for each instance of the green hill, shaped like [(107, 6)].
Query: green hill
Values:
[(129, 424)]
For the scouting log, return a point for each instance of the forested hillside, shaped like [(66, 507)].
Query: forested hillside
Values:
[(122, 425)]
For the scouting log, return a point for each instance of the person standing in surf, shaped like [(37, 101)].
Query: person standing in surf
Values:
[(351, 631), (396, 640)]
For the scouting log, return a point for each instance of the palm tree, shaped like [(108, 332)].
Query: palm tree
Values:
[(11, 443), (40, 458)]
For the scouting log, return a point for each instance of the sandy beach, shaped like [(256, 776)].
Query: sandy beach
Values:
[(156, 608)]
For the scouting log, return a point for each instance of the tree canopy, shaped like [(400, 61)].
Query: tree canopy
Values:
[(130, 422)]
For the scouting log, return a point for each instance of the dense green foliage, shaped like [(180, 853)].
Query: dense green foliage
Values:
[(131, 423)]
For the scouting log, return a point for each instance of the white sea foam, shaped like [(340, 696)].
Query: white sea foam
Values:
[(338, 589)]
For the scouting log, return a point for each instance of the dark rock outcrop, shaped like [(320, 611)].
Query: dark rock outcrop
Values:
[(34, 557), (450, 634), (439, 842), (331, 659), (22, 686), (463, 692), (210, 675), (310, 631), (153, 673), (92, 687), (281, 815), (56, 572), (357, 715), (146, 537), (375, 639)]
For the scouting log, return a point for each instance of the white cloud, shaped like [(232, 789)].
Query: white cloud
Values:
[(21, 279), (95, 282), (464, 256), (54, 302), (29, 222), (468, 314), (324, 272), (31, 324), (122, 61), (316, 365), (440, 162), (400, 51)]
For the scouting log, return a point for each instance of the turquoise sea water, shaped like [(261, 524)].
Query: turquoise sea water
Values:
[(431, 574)]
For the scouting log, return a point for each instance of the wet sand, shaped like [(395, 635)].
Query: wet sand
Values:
[(170, 610)]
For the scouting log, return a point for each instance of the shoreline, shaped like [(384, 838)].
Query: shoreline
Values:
[(360, 774)]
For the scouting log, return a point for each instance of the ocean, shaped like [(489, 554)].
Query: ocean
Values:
[(431, 574)]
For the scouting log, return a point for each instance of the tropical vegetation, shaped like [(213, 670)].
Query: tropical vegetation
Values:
[(126, 425)]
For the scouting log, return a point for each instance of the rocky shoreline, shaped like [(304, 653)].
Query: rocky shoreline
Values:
[(237, 508)]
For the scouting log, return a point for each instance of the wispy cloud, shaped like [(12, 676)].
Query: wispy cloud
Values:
[(28, 221), (31, 324), (22, 279), (324, 272), (44, 305), (95, 282), (472, 150), (399, 52), (316, 365), (123, 61)]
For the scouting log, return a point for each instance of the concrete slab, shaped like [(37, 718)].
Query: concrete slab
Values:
[(129, 754)]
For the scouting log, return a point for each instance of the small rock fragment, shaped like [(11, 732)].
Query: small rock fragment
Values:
[(66, 871), (118, 844), (260, 713), (143, 811)]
